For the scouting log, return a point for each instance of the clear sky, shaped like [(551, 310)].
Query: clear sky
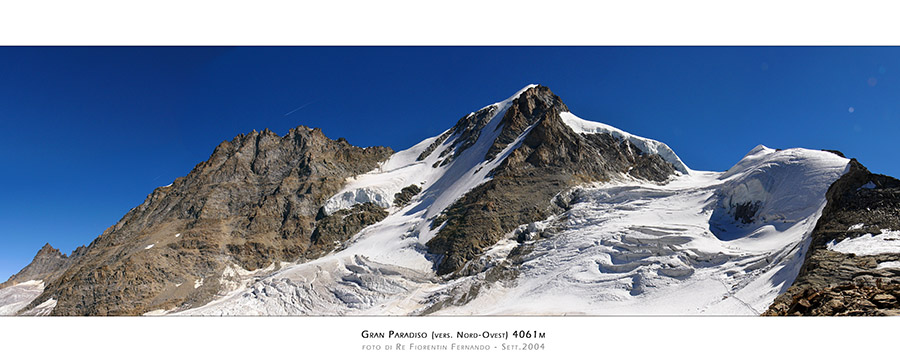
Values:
[(89, 132)]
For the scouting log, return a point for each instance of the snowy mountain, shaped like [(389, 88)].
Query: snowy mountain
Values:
[(520, 208), (629, 247)]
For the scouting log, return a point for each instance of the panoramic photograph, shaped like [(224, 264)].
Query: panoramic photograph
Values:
[(449, 181)]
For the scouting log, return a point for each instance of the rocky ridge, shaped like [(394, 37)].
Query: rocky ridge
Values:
[(252, 205), (834, 283), (47, 264)]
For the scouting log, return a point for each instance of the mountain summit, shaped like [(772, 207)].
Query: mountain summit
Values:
[(521, 207)]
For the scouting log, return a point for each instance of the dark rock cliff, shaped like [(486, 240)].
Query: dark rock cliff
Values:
[(342, 225)]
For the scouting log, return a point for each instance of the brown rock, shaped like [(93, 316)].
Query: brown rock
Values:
[(884, 300), (253, 204)]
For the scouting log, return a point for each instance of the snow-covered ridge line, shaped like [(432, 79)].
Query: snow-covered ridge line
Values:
[(503, 104), (648, 146), (403, 169)]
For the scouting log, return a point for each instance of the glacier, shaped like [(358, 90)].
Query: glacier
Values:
[(16, 297)]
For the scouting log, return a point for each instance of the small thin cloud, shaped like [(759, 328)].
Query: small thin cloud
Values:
[(300, 108)]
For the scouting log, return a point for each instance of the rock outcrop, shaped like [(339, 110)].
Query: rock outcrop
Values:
[(47, 264), (252, 204), (834, 283), (403, 197), (333, 229)]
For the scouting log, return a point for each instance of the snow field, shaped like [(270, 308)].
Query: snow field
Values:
[(886, 242)]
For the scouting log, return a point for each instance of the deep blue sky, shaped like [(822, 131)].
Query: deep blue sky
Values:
[(89, 132)]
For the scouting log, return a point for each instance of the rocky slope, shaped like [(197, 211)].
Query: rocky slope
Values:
[(850, 281), (253, 204), (47, 264)]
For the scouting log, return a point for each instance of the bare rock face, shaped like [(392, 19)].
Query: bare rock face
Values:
[(47, 264), (342, 225), (551, 159), (405, 195), (252, 204), (834, 283)]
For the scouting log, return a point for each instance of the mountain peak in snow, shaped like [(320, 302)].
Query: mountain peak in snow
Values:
[(488, 131)]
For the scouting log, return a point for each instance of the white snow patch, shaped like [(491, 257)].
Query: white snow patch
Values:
[(149, 246), (198, 283), (16, 297), (178, 235), (889, 265), (886, 242), (378, 195), (868, 186), (856, 227), (44, 309), (159, 312)]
